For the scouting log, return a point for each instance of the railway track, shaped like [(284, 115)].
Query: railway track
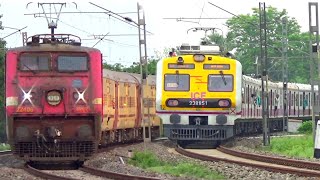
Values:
[(307, 169), (113, 175), (43, 174), (8, 152), (89, 171), (273, 160)]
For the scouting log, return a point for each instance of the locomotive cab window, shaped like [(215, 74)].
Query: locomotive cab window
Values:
[(220, 83), (29, 62), (176, 82), (72, 63)]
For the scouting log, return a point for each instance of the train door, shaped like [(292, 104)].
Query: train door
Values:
[(271, 112), (243, 91), (290, 103), (248, 101), (116, 104), (138, 105), (308, 104), (108, 106), (302, 103), (295, 103), (255, 102), (251, 100)]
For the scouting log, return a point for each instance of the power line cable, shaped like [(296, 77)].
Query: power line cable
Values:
[(100, 40), (19, 30), (201, 12), (111, 41), (80, 12), (120, 18), (255, 26)]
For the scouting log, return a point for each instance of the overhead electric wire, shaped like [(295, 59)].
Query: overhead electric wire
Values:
[(19, 30), (120, 18), (10, 28), (255, 26), (196, 18), (201, 12), (112, 41), (70, 25), (100, 40), (80, 12), (75, 27)]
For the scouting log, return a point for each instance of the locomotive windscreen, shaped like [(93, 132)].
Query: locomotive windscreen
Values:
[(177, 82), (30, 62), (220, 83), (72, 63)]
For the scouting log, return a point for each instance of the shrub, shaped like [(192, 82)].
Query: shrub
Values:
[(306, 127)]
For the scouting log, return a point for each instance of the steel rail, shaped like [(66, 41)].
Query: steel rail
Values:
[(291, 170), (8, 152), (270, 159), (114, 175), (43, 174)]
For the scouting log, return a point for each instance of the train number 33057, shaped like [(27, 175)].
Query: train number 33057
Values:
[(198, 103)]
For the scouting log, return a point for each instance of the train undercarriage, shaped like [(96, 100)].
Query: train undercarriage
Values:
[(211, 137)]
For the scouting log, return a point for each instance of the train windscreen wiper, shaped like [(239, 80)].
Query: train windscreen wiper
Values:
[(224, 79), (177, 77), (34, 72)]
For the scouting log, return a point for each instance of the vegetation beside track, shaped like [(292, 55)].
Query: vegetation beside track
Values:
[(149, 161), (4, 147), (296, 146)]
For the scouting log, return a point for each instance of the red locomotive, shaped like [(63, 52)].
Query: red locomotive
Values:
[(53, 99)]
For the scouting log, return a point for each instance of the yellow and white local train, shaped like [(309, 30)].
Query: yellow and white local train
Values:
[(198, 94)]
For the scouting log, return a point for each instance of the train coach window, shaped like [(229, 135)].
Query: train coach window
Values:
[(72, 63), (220, 83), (34, 62), (176, 82)]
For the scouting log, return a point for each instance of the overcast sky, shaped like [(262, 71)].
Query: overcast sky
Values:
[(124, 49)]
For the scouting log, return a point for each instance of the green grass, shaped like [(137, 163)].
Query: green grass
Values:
[(4, 147), (300, 146), (149, 161)]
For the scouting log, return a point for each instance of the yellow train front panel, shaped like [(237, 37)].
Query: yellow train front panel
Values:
[(198, 91)]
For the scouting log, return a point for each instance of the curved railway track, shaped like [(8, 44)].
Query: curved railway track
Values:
[(8, 152), (103, 174), (91, 171), (43, 174), (113, 175), (273, 160), (306, 169)]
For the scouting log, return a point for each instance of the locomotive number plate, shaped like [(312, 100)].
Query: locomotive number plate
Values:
[(198, 103), (25, 109)]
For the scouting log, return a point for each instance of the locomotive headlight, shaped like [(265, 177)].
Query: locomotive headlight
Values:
[(172, 102), (224, 103), (27, 96), (180, 60), (78, 95), (53, 98), (198, 57)]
